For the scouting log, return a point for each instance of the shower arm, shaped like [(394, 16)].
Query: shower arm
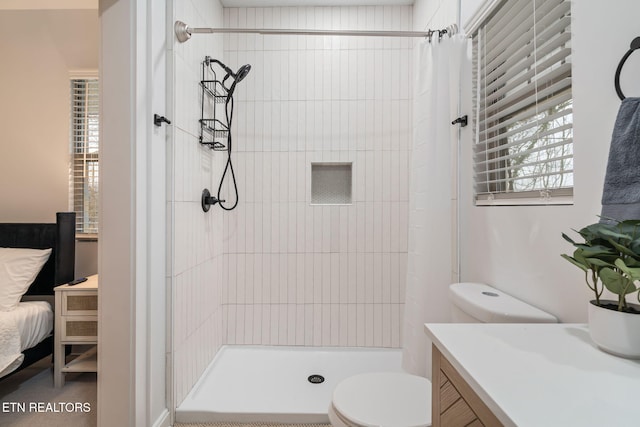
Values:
[(184, 32)]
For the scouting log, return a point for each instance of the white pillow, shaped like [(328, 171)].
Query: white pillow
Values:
[(18, 270)]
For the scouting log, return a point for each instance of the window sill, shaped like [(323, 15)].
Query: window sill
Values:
[(554, 201), (86, 237)]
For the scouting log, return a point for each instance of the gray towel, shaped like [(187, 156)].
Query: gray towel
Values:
[(621, 194)]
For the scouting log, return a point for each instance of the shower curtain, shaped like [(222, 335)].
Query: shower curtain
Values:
[(432, 207)]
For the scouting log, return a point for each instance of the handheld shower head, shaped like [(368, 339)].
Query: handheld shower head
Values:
[(237, 77), (242, 72)]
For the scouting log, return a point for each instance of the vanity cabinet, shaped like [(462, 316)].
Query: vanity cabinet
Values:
[(528, 375), (454, 403)]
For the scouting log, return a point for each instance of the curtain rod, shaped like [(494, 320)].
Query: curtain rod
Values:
[(184, 32)]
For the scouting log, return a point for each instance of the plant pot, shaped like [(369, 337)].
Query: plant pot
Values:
[(614, 331)]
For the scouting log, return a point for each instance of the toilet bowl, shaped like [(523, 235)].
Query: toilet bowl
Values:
[(382, 399), (389, 399)]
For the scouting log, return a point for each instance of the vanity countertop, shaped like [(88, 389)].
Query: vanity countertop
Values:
[(542, 374)]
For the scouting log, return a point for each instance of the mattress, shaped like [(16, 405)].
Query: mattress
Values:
[(34, 320)]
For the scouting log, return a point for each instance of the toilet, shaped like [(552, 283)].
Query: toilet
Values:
[(390, 399), (480, 303)]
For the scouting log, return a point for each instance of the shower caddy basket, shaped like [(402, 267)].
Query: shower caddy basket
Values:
[(214, 128)]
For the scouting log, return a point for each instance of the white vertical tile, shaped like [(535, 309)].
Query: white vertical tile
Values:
[(326, 324), (258, 274), (317, 228), (376, 232), (300, 227), (368, 277), (283, 229), (240, 324), (396, 278), (266, 324), (317, 324), (275, 324), (360, 325), (231, 323), (403, 268), (309, 278), (369, 227), (240, 279), (318, 274), (377, 325), (267, 266), (334, 319), (370, 324), (396, 325), (377, 278), (291, 226), (386, 226), (231, 284), (404, 226), (276, 236), (257, 324), (326, 277), (335, 278), (361, 286)]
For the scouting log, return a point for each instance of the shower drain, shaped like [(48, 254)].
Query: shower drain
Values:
[(315, 379)]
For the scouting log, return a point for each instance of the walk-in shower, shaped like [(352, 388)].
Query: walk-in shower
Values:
[(284, 276)]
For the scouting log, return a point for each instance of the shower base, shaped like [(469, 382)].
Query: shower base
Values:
[(288, 385)]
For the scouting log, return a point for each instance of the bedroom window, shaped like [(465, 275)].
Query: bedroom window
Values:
[(85, 140), (523, 151)]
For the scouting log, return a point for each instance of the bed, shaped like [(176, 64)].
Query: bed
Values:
[(33, 317)]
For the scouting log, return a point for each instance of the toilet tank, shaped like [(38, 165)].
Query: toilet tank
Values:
[(480, 303)]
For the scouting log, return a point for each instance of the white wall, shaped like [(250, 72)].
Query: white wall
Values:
[(196, 264), (517, 249), (300, 274), (38, 52)]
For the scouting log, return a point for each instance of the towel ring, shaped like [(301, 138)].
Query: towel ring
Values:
[(635, 45)]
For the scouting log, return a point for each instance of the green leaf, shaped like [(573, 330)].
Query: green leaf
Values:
[(631, 273), (597, 251), (596, 231), (622, 249), (599, 262), (614, 234), (568, 239), (616, 282), (575, 262)]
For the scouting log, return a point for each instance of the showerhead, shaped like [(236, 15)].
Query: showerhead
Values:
[(242, 72), (237, 77)]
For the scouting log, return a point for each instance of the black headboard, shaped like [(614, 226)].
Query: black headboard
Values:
[(61, 237)]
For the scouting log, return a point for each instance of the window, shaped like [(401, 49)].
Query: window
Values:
[(85, 139), (523, 104)]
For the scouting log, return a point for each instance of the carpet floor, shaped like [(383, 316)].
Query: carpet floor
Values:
[(28, 398)]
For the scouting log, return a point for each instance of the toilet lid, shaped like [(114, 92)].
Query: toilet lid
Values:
[(384, 399)]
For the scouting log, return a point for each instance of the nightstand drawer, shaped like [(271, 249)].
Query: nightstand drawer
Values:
[(79, 328), (79, 303)]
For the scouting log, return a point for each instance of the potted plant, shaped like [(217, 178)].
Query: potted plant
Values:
[(610, 258)]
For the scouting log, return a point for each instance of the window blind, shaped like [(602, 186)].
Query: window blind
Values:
[(85, 140), (523, 151)]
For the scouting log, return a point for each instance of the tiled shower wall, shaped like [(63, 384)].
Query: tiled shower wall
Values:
[(302, 274), (197, 246)]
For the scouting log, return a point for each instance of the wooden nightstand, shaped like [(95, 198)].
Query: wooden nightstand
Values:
[(76, 322)]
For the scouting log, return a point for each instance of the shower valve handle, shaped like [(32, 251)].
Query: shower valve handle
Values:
[(208, 200)]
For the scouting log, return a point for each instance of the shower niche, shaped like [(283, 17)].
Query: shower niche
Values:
[(331, 183), (214, 122)]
